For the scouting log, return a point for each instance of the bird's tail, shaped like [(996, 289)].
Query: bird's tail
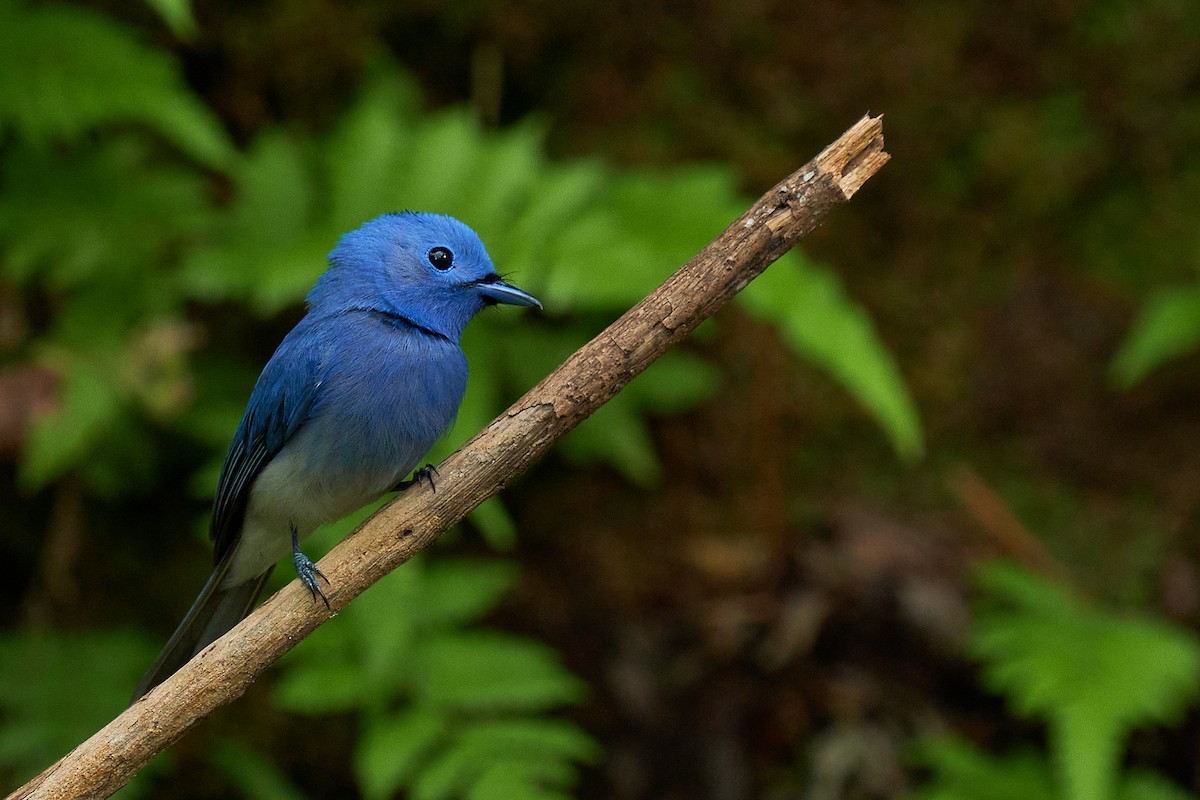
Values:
[(216, 610)]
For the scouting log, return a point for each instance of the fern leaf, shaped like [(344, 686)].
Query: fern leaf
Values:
[(1168, 326), (391, 748), (484, 763), (818, 321), (271, 246), (62, 224), (491, 671), (560, 194), (177, 14), (89, 408), (321, 685), (530, 737), (1094, 676), (461, 591), (65, 70), (1140, 784), (511, 781), (41, 721), (367, 153), (633, 233), (961, 771), (254, 775)]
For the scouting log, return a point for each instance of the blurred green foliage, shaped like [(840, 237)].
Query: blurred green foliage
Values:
[(445, 709), (589, 240), (121, 265), (147, 252), (65, 71), (252, 773), (111, 217), (1168, 326), (49, 705), (1092, 676)]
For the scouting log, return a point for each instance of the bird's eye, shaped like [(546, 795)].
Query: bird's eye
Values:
[(441, 258)]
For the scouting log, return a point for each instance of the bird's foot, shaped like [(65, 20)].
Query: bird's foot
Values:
[(307, 571), (425, 473)]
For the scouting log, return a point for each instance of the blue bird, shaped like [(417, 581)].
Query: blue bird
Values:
[(351, 401)]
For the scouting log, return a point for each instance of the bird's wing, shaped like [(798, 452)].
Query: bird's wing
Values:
[(279, 406)]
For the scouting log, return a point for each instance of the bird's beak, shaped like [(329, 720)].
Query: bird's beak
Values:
[(500, 292)]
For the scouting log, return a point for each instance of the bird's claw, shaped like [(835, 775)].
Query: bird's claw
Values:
[(308, 572), (426, 473), (423, 474)]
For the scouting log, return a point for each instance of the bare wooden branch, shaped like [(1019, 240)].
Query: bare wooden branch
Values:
[(480, 469)]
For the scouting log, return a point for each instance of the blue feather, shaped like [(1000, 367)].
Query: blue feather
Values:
[(280, 403)]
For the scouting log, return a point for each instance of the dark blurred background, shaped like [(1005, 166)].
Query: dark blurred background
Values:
[(765, 585)]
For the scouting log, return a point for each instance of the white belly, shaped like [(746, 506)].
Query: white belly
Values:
[(292, 492)]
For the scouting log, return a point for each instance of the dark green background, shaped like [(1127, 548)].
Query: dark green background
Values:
[(788, 591)]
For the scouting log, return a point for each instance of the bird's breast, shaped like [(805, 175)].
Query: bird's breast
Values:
[(383, 403)]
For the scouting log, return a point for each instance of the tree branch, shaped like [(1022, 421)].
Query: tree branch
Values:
[(480, 469)]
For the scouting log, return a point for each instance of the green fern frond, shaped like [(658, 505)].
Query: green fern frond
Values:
[(588, 240), (489, 671), (1140, 784), (269, 247), (1094, 676), (70, 219), (392, 749), (818, 321), (41, 721), (448, 710), (177, 14), (961, 771), (89, 407), (253, 774), (519, 758), (1168, 326), (65, 70)]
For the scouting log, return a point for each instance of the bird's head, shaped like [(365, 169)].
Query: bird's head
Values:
[(430, 269)]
